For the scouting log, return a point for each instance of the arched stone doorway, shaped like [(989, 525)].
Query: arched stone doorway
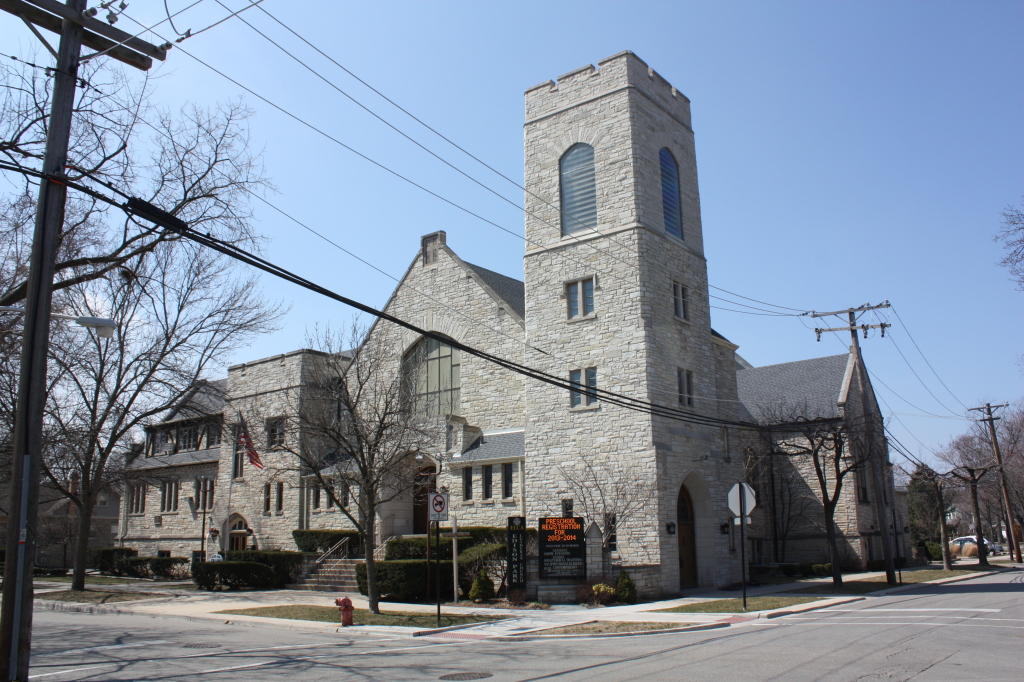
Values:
[(687, 540), (238, 534), (426, 482)]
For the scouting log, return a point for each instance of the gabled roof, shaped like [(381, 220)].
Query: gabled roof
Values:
[(205, 398), (177, 459), (806, 388), (512, 291)]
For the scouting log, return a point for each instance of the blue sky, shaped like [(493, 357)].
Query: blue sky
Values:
[(847, 153)]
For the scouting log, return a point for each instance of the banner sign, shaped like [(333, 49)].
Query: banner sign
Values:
[(562, 548), (516, 575)]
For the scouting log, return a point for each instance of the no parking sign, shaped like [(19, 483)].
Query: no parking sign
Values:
[(438, 504)]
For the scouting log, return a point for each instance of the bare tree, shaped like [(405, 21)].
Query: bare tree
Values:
[(1012, 238), (791, 503), (611, 494), (181, 314), (358, 436), (196, 164)]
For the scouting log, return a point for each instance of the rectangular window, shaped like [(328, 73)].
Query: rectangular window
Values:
[(467, 483), (137, 499), (275, 432), (315, 497), (862, 487), (488, 482), (585, 387), (330, 496), (343, 493), (102, 500), (507, 472), (610, 522), (204, 494), (163, 554), (280, 496), (680, 301), (580, 297), (188, 439), (684, 381), (162, 442), (213, 435), (266, 499), (169, 496)]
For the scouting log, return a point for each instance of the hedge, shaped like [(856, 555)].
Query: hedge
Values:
[(407, 580), (133, 566), (416, 548), (284, 564), (105, 558), (323, 540), (51, 572), (879, 564), (208, 575), (169, 567)]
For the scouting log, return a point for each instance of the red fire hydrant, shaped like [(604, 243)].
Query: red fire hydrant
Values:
[(345, 607)]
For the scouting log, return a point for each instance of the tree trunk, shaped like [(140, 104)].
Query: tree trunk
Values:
[(833, 547), (947, 560), (82, 544), (979, 538)]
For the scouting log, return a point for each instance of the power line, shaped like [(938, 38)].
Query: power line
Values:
[(902, 324), (918, 376)]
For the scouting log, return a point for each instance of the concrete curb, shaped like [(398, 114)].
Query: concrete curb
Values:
[(425, 633), (636, 633), (939, 581), (809, 606)]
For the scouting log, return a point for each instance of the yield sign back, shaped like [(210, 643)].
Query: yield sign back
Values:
[(749, 502)]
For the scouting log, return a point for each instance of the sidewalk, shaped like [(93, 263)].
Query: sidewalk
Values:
[(188, 604)]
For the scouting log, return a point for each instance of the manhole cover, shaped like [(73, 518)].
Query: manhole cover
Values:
[(200, 646), (465, 676)]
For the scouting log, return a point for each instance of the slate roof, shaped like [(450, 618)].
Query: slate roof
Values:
[(206, 398), (211, 456), (807, 388), (496, 446), (512, 291)]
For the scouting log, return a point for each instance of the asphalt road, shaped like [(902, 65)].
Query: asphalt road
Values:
[(971, 630)]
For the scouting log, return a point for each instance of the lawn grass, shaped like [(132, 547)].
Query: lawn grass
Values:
[(600, 627), (93, 579), (869, 585), (96, 596), (329, 614), (736, 605)]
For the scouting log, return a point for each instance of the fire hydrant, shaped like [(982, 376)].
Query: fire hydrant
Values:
[(345, 607)]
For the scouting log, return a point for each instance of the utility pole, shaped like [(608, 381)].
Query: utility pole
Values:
[(72, 19), (1011, 531), (874, 454)]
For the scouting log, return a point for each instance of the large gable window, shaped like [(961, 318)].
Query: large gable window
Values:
[(578, 189), (670, 201), (433, 372)]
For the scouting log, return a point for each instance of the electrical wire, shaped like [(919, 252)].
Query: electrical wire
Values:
[(144, 30), (909, 335)]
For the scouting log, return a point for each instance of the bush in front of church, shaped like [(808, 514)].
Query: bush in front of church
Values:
[(407, 580), (625, 588), (232, 575), (483, 587), (284, 564), (105, 559), (321, 540)]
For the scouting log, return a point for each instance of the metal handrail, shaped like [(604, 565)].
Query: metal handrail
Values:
[(339, 544)]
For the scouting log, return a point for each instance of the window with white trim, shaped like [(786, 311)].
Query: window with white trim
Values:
[(169, 496), (275, 432), (584, 392), (680, 301), (684, 381), (579, 298)]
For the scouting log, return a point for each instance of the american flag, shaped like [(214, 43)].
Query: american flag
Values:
[(245, 443)]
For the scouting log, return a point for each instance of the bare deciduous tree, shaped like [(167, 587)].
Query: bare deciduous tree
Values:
[(357, 436), (1012, 238), (611, 494), (181, 314)]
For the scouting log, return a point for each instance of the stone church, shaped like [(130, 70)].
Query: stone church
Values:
[(614, 298)]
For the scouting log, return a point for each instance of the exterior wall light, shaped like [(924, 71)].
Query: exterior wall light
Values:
[(670, 528)]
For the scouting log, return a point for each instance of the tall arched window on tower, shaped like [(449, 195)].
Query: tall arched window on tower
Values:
[(578, 189), (433, 377), (670, 200)]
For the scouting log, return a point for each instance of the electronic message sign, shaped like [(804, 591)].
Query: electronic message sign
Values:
[(516, 575), (562, 549)]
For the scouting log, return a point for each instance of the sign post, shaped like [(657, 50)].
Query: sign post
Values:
[(516, 544), (741, 502), (437, 505)]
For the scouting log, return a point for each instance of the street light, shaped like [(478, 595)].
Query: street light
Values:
[(104, 326)]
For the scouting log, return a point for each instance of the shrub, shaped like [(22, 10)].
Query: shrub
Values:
[(401, 549), (104, 559), (323, 540), (133, 566), (789, 570), (806, 569), (822, 569), (954, 548), (483, 587), (517, 597), (626, 588), (969, 549), (407, 580), (934, 551), (481, 557), (284, 564), (50, 572), (604, 594), (208, 575), (169, 568)]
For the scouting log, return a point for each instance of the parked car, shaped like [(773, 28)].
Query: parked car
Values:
[(992, 547)]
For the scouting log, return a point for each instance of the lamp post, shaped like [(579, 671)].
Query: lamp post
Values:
[(104, 326)]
